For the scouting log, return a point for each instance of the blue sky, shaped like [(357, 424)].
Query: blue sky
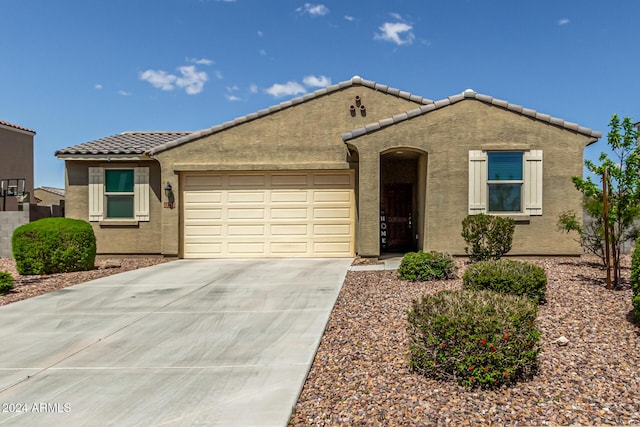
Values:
[(79, 70)]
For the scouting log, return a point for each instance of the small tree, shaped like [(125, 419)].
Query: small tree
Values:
[(623, 180)]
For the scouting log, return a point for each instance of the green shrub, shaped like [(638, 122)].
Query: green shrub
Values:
[(508, 276), (476, 338), (425, 266), (635, 281), (54, 245), (488, 236), (6, 282)]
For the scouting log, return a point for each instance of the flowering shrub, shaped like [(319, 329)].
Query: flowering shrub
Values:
[(425, 266), (476, 338), (508, 276)]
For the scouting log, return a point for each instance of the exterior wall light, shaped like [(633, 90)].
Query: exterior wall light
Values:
[(171, 200)]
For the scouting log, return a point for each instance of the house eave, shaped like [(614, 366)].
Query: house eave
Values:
[(18, 130), (104, 157)]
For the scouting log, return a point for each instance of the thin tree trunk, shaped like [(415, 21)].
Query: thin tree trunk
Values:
[(605, 218)]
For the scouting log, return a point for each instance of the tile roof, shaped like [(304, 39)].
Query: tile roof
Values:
[(11, 125), (151, 143), (470, 94), (133, 143), (355, 81), (56, 191)]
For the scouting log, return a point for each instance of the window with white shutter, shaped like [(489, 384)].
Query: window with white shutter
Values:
[(505, 182), (118, 193)]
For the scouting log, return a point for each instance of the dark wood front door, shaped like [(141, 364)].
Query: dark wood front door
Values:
[(397, 204)]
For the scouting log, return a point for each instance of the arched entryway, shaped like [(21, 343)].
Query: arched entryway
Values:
[(402, 200)]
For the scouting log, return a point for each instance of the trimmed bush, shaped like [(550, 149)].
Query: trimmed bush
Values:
[(54, 245), (475, 338), (509, 277), (6, 282), (635, 281), (488, 236), (425, 266)]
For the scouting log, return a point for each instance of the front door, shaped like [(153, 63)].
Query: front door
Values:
[(397, 205)]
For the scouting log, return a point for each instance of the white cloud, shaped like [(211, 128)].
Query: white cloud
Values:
[(564, 21), (316, 81), (313, 9), (260, 34), (191, 80), (200, 61), (253, 88), (395, 32), (232, 98), (349, 18), (159, 79), (97, 86), (290, 88), (262, 52), (124, 93), (218, 75)]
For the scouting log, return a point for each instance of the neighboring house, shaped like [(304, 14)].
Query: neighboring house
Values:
[(49, 200), (16, 180), (355, 168), (16, 144), (48, 196)]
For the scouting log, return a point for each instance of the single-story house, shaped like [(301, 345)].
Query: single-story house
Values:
[(356, 168)]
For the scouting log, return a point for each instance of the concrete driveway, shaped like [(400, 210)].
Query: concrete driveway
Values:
[(190, 342)]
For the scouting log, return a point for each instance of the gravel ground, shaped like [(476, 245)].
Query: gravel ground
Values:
[(31, 286), (360, 374)]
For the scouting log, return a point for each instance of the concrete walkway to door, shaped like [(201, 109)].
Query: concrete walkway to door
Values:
[(190, 342)]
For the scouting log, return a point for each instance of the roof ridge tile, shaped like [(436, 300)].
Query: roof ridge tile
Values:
[(471, 94)]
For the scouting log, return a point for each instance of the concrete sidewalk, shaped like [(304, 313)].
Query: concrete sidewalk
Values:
[(190, 342)]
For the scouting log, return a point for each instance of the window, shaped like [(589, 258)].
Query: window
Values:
[(505, 182), (119, 193)]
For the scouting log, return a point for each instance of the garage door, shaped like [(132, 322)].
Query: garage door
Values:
[(268, 214)]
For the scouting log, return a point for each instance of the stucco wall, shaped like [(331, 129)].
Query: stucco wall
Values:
[(143, 238), (446, 135), (305, 136), (17, 146)]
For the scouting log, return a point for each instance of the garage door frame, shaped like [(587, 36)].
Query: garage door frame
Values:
[(330, 196)]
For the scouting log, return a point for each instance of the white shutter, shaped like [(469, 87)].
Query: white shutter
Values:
[(141, 193), (96, 194), (477, 182), (533, 182)]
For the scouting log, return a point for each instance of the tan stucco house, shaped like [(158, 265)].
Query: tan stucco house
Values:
[(357, 168), (16, 168)]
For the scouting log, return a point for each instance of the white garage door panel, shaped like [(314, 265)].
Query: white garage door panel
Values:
[(289, 196), (275, 214)]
